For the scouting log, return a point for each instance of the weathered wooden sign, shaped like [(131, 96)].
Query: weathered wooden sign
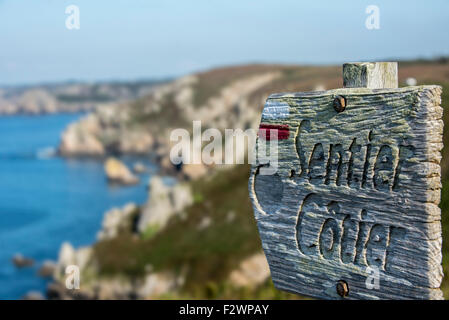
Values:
[(352, 209)]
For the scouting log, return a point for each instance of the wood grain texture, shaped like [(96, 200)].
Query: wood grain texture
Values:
[(352, 190), (371, 75)]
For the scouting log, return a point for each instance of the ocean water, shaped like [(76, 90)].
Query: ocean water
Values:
[(46, 200)]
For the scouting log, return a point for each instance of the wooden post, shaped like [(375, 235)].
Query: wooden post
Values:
[(372, 75), (350, 210)]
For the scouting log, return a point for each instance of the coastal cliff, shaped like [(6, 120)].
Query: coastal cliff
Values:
[(69, 97), (203, 244), (224, 98), (197, 239)]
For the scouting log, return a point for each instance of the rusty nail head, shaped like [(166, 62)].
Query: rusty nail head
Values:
[(342, 288), (339, 103)]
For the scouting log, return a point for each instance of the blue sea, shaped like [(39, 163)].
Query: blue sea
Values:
[(46, 200)]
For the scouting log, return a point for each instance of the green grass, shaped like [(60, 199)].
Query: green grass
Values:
[(208, 254), (198, 198), (168, 116), (225, 290), (211, 83), (150, 232)]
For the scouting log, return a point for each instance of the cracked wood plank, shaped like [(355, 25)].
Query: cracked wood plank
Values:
[(354, 192)]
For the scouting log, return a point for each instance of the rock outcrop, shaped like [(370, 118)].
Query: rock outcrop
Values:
[(81, 138), (33, 295), (68, 256), (139, 167), (105, 131), (156, 284), (194, 171), (252, 271), (68, 97), (117, 172), (20, 261), (150, 286), (163, 203), (47, 269), (116, 220)]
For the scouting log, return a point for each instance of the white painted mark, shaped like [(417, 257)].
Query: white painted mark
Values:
[(275, 110)]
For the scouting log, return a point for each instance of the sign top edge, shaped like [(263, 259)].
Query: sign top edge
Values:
[(351, 91)]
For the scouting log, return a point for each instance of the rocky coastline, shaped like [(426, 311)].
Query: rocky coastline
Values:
[(224, 98), (70, 97), (196, 238), (165, 203), (143, 127)]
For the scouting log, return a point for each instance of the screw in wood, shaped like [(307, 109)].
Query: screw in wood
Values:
[(342, 288), (339, 103)]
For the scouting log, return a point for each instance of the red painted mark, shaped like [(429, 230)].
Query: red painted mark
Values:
[(280, 131)]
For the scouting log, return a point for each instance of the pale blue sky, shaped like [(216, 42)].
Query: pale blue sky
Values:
[(131, 39)]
